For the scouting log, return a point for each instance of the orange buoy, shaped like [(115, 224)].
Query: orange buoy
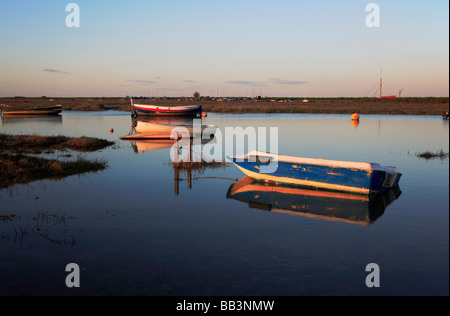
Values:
[(204, 114), (355, 117), (111, 130)]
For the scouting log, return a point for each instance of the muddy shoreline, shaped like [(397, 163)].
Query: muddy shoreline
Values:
[(399, 106)]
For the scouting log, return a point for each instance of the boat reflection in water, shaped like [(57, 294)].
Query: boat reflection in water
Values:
[(30, 119), (322, 205), (183, 149), (187, 161), (140, 146), (171, 120)]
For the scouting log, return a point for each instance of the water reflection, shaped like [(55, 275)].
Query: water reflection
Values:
[(324, 205), (140, 146), (185, 149), (52, 227), (166, 120), (160, 124), (32, 119)]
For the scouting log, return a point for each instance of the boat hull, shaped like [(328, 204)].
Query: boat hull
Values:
[(151, 110), (360, 178)]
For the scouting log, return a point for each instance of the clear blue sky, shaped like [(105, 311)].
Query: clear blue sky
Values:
[(233, 47)]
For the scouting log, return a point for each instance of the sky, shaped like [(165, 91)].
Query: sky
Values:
[(284, 48)]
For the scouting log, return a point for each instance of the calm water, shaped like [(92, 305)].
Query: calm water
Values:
[(133, 230)]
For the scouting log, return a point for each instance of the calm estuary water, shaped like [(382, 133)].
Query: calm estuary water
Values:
[(135, 230)]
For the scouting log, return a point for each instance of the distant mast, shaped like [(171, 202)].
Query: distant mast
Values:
[(381, 83), (305, 100), (381, 88)]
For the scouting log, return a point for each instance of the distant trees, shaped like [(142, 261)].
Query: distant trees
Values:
[(197, 95)]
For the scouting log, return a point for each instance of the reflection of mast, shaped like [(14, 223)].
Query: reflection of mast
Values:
[(176, 180), (189, 163), (189, 178), (379, 127)]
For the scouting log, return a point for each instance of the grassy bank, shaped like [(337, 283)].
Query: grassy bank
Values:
[(401, 106), (18, 167), (38, 144)]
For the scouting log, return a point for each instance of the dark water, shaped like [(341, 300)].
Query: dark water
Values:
[(133, 230)]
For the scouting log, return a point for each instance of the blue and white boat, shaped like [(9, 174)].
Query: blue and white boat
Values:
[(354, 177)]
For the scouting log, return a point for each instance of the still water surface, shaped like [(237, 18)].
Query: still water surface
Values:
[(134, 230)]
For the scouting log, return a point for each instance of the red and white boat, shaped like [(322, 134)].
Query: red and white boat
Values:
[(144, 109)]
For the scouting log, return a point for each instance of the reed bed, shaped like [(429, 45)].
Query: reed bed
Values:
[(19, 166), (37, 143), (21, 169)]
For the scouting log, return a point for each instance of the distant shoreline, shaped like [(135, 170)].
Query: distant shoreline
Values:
[(398, 106)]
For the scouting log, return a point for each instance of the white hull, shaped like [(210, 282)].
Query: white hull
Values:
[(143, 127)]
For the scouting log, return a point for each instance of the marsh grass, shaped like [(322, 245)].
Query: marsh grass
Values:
[(198, 166), (38, 144), (20, 169), (19, 166)]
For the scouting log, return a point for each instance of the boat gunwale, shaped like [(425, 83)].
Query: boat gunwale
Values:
[(367, 166)]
